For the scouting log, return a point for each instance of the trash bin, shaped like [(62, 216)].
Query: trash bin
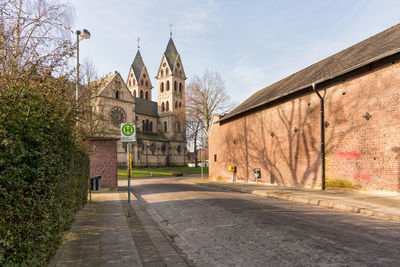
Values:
[(95, 183)]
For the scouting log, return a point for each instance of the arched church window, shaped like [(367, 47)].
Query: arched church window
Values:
[(144, 75), (152, 149), (162, 87), (141, 82), (175, 86), (180, 73), (143, 126), (130, 83), (162, 107), (163, 148), (117, 95), (176, 104), (180, 104), (179, 149), (180, 87), (167, 106), (133, 82), (147, 95), (167, 85), (178, 65), (165, 126), (141, 94), (151, 126), (166, 71), (162, 73), (134, 93), (147, 83), (147, 125)]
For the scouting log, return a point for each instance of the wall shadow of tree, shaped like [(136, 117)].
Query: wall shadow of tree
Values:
[(284, 141)]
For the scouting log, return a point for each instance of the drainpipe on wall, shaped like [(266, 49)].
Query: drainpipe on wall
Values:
[(322, 136)]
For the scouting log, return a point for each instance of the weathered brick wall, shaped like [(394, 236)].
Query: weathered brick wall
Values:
[(362, 136), (103, 161)]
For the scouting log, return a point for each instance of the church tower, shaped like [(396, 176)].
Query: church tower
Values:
[(138, 81), (171, 90)]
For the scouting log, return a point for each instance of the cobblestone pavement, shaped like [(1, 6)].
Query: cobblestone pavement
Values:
[(102, 235), (385, 205), (234, 229)]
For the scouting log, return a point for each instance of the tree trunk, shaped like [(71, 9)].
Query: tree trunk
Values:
[(196, 161)]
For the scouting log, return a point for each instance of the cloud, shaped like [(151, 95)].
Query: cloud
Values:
[(247, 76)]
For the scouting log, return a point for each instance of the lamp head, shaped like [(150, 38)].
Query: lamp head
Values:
[(85, 34)]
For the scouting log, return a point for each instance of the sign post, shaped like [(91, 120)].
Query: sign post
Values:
[(128, 135)]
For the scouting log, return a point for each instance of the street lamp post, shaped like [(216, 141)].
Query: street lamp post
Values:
[(84, 34)]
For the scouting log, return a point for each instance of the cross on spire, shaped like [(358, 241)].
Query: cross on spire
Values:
[(170, 29), (138, 42)]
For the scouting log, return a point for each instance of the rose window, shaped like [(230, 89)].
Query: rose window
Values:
[(117, 116)]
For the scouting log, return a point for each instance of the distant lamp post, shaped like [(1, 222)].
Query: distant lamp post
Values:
[(84, 34)]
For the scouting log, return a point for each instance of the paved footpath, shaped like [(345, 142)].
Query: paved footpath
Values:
[(102, 235), (382, 205)]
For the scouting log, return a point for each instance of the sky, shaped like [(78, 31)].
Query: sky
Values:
[(251, 44)]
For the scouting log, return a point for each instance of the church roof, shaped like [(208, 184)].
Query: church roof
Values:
[(137, 65), (100, 84), (171, 53), (146, 107), (379, 46), (150, 136)]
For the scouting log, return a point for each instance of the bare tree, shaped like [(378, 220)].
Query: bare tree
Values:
[(34, 40), (205, 97), (92, 118)]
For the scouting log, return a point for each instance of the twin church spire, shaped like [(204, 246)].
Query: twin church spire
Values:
[(171, 79)]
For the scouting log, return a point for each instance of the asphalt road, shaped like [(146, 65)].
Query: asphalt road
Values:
[(236, 229)]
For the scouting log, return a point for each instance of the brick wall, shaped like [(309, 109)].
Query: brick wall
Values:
[(362, 112), (103, 161)]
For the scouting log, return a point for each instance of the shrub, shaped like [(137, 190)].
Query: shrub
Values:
[(43, 172), (339, 183)]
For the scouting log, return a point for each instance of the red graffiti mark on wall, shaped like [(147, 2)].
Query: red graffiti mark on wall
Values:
[(343, 155), (364, 176)]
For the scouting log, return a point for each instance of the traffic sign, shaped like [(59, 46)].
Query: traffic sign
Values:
[(128, 132)]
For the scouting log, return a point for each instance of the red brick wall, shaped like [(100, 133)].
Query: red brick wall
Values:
[(103, 161), (284, 140)]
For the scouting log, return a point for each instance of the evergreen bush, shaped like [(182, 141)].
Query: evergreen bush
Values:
[(43, 170)]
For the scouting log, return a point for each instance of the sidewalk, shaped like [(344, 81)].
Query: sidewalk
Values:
[(386, 206), (102, 235)]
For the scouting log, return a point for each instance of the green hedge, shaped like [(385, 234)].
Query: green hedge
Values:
[(43, 171)]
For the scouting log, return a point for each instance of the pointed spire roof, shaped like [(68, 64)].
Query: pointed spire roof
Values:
[(171, 53), (138, 65)]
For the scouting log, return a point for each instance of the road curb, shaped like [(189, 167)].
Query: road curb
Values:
[(324, 203)]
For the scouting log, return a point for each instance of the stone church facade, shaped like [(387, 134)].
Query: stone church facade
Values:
[(278, 129), (161, 139)]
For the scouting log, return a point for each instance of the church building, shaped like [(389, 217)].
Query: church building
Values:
[(161, 138)]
